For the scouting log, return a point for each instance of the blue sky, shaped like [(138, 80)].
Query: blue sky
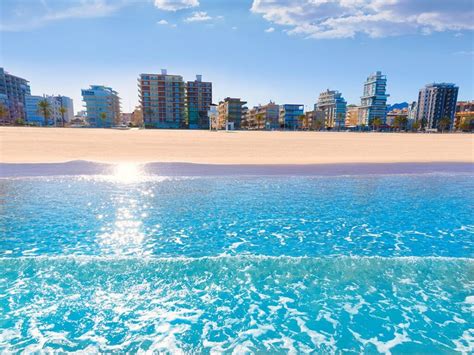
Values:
[(284, 50)]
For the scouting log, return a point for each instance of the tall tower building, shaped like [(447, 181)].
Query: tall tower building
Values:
[(373, 103), (13, 91), (162, 97), (435, 102), (198, 101), (102, 106), (333, 105)]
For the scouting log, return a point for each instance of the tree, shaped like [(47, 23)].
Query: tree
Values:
[(424, 122), (400, 122), (444, 123), (62, 111), (376, 123), (466, 125), (3, 112), (301, 120), (44, 109), (103, 117), (259, 118), (416, 126), (318, 124)]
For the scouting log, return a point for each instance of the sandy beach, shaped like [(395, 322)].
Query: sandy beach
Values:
[(47, 145)]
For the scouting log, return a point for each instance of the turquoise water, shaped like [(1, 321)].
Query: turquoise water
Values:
[(244, 264)]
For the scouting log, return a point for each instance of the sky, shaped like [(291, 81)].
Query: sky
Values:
[(287, 51)]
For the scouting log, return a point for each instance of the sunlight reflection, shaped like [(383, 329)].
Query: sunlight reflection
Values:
[(127, 173)]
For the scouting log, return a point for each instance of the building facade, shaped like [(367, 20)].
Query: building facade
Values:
[(333, 105), (102, 106), (263, 117), (13, 92), (198, 101), (435, 102), (352, 116), (230, 111), (373, 102), (57, 116), (162, 98), (464, 117), (290, 116)]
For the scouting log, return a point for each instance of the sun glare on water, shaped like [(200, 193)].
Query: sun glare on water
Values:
[(127, 173)]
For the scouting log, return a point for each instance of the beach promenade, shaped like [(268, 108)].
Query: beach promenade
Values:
[(41, 145)]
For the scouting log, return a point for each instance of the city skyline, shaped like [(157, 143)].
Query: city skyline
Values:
[(270, 55)]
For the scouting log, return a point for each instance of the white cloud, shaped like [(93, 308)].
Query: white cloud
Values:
[(234, 28), (270, 30), (162, 22), (375, 18), (198, 16), (175, 5)]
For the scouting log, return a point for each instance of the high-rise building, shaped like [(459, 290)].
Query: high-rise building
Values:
[(13, 91), (230, 112), (102, 106), (290, 116), (333, 105), (56, 116), (162, 97), (373, 102), (263, 116), (198, 101), (435, 102)]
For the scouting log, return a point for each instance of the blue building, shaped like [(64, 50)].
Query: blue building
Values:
[(56, 118), (13, 91), (333, 108), (374, 100), (435, 102), (102, 106), (290, 116)]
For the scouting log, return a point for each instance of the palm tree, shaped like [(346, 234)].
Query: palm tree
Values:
[(416, 125), (3, 112), (444, 123), (62, 111), (376, 123), (103, 117), (301, 119), (44, 109), (259, 119), (400, 122)]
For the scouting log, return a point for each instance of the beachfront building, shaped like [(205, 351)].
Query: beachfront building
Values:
[(137, 117), (333, 105), (213, 115), (13, 91), (263, 117), (57, 116), (198, 101), (373, 102), (290, 116), (5, 115), (163, 100), (464, 117), (352, 116), (230, 113), (437, 101), (102, 106)]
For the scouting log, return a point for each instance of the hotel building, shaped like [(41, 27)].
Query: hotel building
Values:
[(290, 116), (100, 99), (435, 102), (373, 103), (13, 91), (333, 105), (56, 118), (263, 116), (230, 113), (198, 101), (162, 97), (464, 117)]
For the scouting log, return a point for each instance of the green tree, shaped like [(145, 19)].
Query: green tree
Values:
[(62, 111), (44, 109), (416, 126), (3, 112), (400, 122), (466, 125), (376, 123), (103, 118), (259, 118), (318, 124), (444, 123), (301, 121)]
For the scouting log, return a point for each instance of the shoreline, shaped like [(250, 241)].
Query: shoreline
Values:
[(167, 169)]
